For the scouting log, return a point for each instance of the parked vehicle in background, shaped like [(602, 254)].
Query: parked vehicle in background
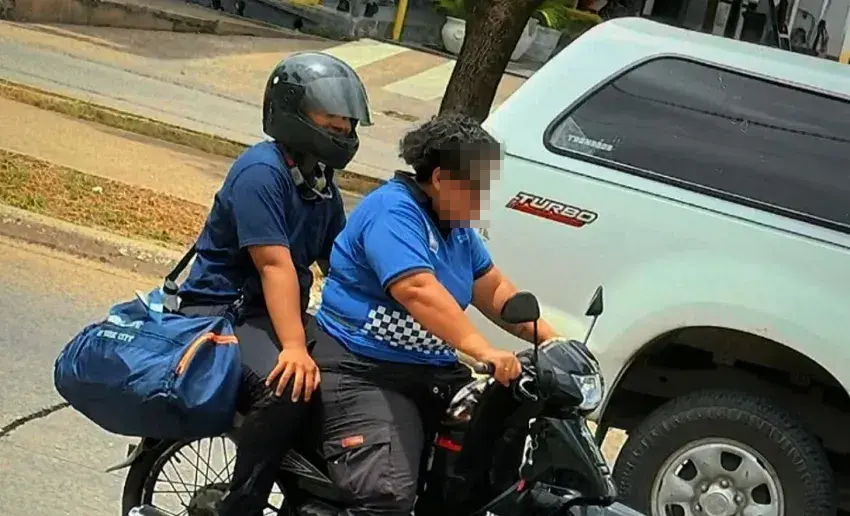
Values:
[(705, 182)]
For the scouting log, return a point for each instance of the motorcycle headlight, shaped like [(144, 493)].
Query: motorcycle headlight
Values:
[(591, 388)]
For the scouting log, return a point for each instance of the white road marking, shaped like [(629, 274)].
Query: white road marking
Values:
[(364, 52), (426, 86)]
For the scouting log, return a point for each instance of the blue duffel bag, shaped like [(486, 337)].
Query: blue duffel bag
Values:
[(145, 372)]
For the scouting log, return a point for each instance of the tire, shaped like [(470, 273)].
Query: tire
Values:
[(137, 476), (139, 480), (715, 423)]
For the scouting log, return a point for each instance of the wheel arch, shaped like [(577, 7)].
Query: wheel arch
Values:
[(691, 358)]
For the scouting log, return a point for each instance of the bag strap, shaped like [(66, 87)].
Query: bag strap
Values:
[(169, 287), (170, 290), (182, 264)]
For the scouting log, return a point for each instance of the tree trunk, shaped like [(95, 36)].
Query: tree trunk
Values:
[(710, 16), (493, 29)]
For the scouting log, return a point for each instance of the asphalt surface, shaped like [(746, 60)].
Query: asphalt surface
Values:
[(52, 459)]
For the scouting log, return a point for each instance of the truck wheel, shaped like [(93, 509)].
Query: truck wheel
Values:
[(724, 453)]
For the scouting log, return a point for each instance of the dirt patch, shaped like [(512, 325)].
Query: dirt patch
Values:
[(72, 196)]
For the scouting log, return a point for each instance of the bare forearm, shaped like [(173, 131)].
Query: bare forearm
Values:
[(526, 331), (283, 300), (492, 308)]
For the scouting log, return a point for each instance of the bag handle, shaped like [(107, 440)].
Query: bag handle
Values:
[(154, 302)]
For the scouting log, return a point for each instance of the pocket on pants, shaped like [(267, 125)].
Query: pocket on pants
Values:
[(360, 462)]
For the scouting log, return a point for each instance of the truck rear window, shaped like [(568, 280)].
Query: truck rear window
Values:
[(722, 133)]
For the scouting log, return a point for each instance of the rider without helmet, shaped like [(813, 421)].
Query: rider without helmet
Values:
[(276, 214), (305, 95)]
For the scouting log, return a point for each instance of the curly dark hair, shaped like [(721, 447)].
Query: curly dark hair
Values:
[(449, 142)]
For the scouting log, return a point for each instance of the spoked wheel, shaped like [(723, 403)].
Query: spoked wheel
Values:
[(188, 478)]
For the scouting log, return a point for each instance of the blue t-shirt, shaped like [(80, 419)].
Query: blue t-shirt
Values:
[(391, 234), (259, 204)]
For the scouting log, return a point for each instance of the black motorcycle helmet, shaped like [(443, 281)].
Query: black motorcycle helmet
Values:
[(313, 81)]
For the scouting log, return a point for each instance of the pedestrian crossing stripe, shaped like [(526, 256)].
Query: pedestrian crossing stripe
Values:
[(364, 52), (426, 86)]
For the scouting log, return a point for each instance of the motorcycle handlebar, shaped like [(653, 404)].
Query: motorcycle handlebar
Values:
[(520, 385), (490, 369), (484, 368)]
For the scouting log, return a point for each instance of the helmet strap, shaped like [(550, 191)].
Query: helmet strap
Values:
[(313, 185)]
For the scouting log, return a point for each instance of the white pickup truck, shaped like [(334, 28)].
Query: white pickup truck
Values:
[(705, 183)]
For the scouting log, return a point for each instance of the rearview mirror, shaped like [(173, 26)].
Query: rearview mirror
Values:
[(595, 307), (522, 307)]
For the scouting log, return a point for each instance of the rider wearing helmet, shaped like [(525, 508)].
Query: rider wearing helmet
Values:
[(277, 212), (402, 273)]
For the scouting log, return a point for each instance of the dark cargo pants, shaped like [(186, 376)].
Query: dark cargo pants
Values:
[(271, 424), (378, 417)]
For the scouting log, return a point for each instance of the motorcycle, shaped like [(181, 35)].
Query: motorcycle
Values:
[(521, 450)]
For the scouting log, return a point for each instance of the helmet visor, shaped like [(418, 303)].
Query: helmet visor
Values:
[(339, 95)]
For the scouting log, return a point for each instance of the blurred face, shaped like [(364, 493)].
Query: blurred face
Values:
[(459, 201), (336, 124)]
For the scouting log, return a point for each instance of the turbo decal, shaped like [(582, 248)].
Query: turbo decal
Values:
[(552, 210)]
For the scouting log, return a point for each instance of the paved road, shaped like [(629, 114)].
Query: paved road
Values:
[(51, 466)]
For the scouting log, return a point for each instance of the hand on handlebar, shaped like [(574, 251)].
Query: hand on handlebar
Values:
[(506, 366)]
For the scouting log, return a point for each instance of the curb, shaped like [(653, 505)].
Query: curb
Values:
[(120, 14), (103, 115), (125, 253), (347, 180), (282, 32), (147, 259)]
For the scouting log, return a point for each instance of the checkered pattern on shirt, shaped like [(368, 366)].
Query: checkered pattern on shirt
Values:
[(400, 330)]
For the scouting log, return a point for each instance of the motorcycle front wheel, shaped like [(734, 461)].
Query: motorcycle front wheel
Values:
[(187, 478)]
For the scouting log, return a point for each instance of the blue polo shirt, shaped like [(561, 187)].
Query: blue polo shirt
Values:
[(258, 204), (391, 234)]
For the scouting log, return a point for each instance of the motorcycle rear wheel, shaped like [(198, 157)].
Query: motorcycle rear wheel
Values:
[(144, 475)]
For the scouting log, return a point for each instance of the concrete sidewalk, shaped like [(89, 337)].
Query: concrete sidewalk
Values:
[(114, 154), (214, 84)]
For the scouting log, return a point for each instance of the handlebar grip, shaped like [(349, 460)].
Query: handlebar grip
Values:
[(484, 368)]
